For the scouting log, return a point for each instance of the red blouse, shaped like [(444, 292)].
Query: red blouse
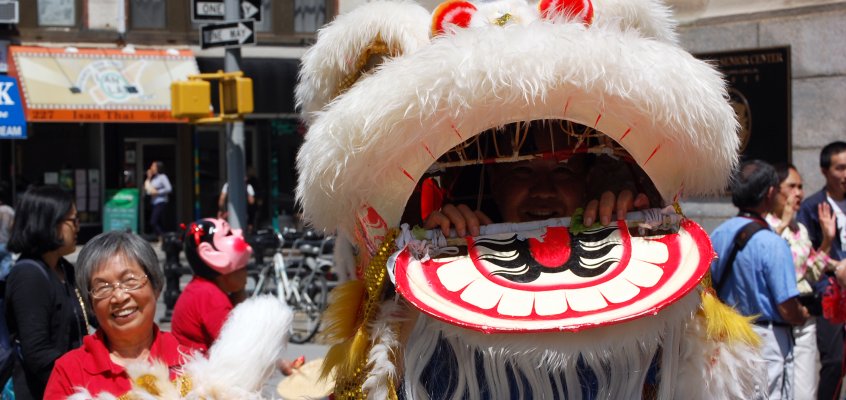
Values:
[(199, 314), (90, 367)]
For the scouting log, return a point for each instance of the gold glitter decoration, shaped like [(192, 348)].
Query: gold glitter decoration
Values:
[(148, 383), (377, 48), (502, 20), (349, 386), (184, 383)]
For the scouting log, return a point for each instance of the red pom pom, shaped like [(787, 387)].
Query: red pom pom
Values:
[(577, 10), (453, 12)]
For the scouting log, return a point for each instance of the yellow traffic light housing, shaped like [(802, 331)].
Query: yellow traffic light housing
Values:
[(237, 96), (192, 98)]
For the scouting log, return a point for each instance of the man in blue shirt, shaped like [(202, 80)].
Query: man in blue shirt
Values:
[(762, 281), (158, 188), (830, 200)]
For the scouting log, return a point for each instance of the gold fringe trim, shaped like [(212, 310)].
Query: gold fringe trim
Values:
[(348, 359), (377, 48), (148, 383)]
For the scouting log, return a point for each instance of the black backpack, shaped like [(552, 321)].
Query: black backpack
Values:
[(8, 348), (740, 239)]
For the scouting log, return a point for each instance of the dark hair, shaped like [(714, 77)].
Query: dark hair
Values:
[(106, 245), (195, 233), (829, 151), (5, 193), (39, 212), (783, 170), (159, 166), (751, 183)]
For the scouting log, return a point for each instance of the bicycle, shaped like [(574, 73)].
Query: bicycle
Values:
[(299, 279)]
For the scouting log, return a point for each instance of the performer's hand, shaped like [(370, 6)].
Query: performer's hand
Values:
[(609, 202), (461, 217), (840, 273), (288, 367), (789, 210), (828, 226)]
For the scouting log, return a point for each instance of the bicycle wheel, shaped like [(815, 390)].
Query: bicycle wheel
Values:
[(308, 310)]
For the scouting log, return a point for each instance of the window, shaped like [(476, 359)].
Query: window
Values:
[(265, 25), (309, 15), (56, 12), (148, 14)]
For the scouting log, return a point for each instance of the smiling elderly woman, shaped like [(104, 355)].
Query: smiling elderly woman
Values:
[(122, 277)]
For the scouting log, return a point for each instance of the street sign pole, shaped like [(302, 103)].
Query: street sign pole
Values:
[(235, 164)]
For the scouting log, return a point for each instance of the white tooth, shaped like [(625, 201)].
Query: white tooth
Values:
[(553, 302), (641, 273), (618, 290), (456, 275), (650, 251), (585, 299), (482, 293), (516, 303), (124, 312)]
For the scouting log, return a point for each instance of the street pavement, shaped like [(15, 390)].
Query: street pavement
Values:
[(311, 351)]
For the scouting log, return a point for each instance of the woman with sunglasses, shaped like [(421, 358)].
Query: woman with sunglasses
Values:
[(120, 277), (43, 310)]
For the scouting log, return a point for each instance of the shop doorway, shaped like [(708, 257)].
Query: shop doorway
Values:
[(147, 151)]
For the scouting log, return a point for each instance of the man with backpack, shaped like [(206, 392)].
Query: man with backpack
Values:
[(754, 273)]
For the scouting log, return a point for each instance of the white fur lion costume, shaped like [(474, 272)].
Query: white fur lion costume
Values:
[(390, 91)]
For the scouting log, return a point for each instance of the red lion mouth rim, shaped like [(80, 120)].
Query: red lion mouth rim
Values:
[(640, 284)]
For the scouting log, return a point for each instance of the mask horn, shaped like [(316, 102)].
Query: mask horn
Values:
[(452, 13), (573, 10)]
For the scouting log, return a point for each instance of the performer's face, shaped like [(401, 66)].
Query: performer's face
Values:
[(790, 189), (538, 189), (835, 175)]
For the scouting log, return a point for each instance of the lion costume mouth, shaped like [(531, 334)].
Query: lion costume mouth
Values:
[(491, 288)]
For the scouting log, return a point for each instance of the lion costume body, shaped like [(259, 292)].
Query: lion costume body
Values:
[(389, 89)]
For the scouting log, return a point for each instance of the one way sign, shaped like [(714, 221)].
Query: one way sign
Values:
[(215, 10), (230, 34)]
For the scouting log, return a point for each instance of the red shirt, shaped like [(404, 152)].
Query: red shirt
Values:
[(90, 367), (199, 314)]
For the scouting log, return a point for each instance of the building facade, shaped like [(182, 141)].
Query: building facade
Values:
[(813, 33), (95, 78)]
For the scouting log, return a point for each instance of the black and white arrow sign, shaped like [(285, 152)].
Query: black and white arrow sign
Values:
[(229, 34), (215, 10), (251, 9)]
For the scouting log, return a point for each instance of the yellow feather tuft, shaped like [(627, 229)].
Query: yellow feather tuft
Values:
[(334, 357), (345, 357), (342, 321), (724, 323), (342, 318)]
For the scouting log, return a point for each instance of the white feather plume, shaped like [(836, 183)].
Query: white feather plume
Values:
[(416, 107), (339, 44), (245, 354)]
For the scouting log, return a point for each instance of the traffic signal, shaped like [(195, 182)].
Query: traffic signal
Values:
[(190, 99), (237, 95)]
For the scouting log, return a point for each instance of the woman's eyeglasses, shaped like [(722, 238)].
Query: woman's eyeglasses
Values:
[(74, 220), (128, 284)]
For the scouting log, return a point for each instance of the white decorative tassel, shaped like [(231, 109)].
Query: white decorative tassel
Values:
[(381, 354)]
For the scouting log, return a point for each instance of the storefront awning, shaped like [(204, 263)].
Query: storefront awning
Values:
[(98, 85)]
